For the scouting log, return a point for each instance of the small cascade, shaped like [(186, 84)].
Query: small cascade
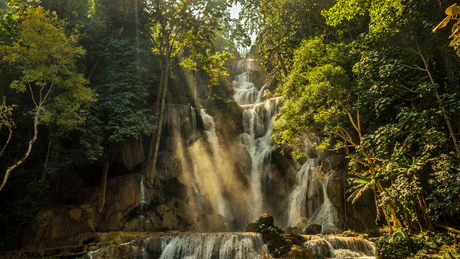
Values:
[(340, 247), (297, 199), (260, 94), (245, 91), (309, 182), (326, 214), (223, 207), (142, 204), (192, 246)]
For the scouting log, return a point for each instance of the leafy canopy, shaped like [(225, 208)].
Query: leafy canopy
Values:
[(47, 57)]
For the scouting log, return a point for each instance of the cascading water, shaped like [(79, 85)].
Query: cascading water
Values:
[(258, 121), (142, 204), (309, 178), (191, 246), (245, 90), (340, 247)]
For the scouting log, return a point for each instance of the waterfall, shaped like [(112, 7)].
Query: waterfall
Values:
[(245, 90), (258, 122), (260, 94), (192, 246), (234, 245), (142, 204), (297, 199), (223, 207), (340, 247), (309, 181)]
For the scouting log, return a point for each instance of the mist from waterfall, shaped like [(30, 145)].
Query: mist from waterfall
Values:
[(223, 207)]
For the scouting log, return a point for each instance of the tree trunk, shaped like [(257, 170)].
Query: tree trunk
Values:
[(155, 143), (50, 143), (29, 149), (104, 183), (282, 64)]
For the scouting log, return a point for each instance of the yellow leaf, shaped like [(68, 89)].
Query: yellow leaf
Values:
[(458, 52), (454, 28), (457, 30), (443, 23), (452, 10)]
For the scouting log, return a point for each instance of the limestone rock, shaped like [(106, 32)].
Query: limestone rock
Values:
[(300, 253), (317, 246), (312, 229)]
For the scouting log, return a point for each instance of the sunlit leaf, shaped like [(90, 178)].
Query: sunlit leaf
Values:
[(452, 10), (443, 23)]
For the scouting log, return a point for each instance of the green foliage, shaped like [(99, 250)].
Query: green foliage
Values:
[(312, 92), (380, 12), (47, 58), (406, 244)]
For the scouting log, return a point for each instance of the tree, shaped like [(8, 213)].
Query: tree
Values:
[(47, 56)]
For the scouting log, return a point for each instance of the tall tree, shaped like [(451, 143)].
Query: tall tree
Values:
[(47, 58)]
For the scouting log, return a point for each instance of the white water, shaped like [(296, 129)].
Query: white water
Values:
[(142, 204), (258, 122), (189, 246), (340, 247), (220, 245), (245, 90), (307, 180), (297, 199), (258, 118)]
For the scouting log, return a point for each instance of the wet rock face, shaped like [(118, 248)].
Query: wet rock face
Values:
[(312, 229)]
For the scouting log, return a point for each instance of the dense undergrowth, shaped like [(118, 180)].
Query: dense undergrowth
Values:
[(406, 244)]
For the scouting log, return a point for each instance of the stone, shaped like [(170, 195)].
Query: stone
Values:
[(298, 252), (317, 246), (185, 212), (75, 214), (214, 223), (312, 229)]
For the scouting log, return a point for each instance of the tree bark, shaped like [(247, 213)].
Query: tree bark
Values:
[(282, 64), (104, 183), (50, 143), (155, 143), (29, 149)]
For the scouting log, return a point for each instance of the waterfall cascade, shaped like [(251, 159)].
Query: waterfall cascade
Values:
[(340, 247), (192, 246), (257, 122), (309, 182)]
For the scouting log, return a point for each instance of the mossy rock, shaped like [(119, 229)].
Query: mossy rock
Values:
[(277, 244)]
